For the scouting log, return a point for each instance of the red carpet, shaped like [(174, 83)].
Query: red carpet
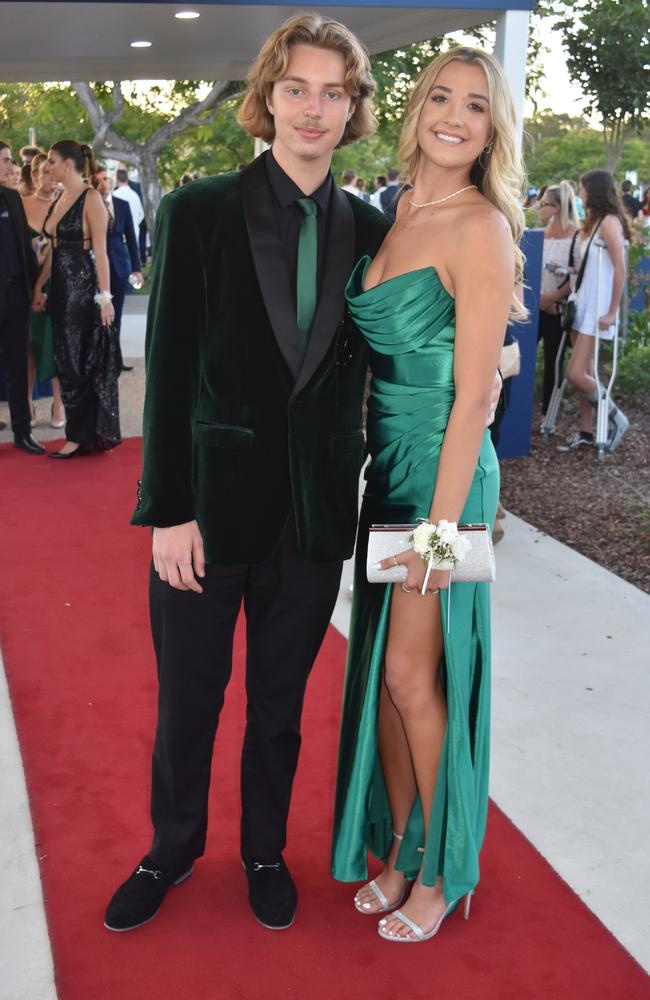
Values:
[(74, 632)]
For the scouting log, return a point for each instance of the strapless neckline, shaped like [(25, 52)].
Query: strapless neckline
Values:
[(418, 271)]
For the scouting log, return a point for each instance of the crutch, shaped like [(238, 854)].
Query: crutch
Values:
[(604, 392), (559, 385)]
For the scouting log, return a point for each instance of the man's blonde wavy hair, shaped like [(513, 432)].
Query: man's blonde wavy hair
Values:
[(271, 65), (499, 174)]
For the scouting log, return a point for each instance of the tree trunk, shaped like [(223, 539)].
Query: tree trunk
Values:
[(151, 190), (107, 142)]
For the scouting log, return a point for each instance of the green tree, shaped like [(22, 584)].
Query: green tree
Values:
[(141, 140), (51, 109), (608, 51)]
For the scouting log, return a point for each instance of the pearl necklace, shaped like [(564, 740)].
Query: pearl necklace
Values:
[(40, 197), (439, 201)]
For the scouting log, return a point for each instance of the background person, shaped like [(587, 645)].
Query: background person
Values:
[(348, 180), (18, 270), (559, 216), (380, 185), (122, 247), (41, 355), (597, 306), (631, 204), (390, 196), (122, 189), (86, 351)]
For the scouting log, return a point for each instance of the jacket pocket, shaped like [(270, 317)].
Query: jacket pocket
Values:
[(350, 446), (223, 435)]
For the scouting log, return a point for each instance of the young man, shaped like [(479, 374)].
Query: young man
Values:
[(121, 245), (18, 272), (253, 445)]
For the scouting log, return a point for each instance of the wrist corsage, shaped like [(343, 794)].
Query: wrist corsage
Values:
[(441, 545), (103, 298)]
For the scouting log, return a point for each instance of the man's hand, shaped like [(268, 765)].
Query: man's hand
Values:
[(497, 386), (178, 556)]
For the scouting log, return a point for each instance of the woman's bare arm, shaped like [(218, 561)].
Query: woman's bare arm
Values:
[(483, 274), (610, 230), (97, 218)]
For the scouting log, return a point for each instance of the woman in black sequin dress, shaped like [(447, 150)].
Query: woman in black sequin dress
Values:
[(86, 350)]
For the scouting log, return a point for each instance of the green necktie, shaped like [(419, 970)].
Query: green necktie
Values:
[(306, 278)]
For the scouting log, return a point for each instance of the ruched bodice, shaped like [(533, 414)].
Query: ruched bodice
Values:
[(409, 323)]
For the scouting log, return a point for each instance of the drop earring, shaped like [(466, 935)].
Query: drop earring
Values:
[(486, 152)]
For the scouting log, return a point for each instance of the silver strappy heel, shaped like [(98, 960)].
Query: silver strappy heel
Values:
[(420, 935), (384, 904)]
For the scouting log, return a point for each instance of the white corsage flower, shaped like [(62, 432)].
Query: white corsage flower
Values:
[(422, 538), (440, 545)]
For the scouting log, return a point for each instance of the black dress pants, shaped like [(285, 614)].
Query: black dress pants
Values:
[(14, 348), (550, 331), (288, 604), (118, 291)]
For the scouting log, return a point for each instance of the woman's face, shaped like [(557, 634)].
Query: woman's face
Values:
[(548, 208), (44, 179), (582, 191), (455, 123), (60, 168)]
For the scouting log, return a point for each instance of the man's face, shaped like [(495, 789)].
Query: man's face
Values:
[(104, 183), (310, 105), (6, 167)]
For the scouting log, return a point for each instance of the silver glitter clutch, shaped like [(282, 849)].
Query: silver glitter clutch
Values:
[(386, 540)]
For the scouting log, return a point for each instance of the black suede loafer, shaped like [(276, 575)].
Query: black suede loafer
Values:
[(29, 444), (272, 893), (138, 900)]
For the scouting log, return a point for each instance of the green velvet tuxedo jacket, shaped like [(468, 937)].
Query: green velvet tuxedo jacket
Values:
[(239, 427)]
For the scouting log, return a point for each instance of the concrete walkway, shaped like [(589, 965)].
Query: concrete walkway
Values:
[(570, 748)]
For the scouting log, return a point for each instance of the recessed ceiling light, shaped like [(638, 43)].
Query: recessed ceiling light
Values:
[(141, 45), (187, 15)]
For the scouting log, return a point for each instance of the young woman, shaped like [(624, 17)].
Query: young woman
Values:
[(433, 305), (41, 357), (596, 308), (558, 213), (86, 352)]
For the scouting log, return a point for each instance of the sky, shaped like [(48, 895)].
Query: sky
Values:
[(563, 96)]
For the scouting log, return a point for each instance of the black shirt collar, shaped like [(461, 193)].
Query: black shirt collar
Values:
[(287, 191)]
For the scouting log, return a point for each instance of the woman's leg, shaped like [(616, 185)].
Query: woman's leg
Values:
[(413, 655), (399, 778), (58, 411), (580, 374)]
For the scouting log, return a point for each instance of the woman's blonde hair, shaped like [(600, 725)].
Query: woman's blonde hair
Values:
[(36, 164), (498, 172), (271, 65), (565, 198)]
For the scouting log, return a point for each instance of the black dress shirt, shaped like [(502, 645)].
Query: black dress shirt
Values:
[(11, 260), (289, 216)]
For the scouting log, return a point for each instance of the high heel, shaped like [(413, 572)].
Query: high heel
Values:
[(420, 935), (82, 449), (384, 905)]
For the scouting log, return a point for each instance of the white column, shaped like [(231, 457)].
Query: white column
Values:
[(511, 49)]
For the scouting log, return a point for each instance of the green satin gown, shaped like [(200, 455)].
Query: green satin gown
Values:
[(409, 324)]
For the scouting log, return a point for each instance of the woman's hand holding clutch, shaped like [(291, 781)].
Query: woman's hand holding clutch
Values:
[(416, 570)]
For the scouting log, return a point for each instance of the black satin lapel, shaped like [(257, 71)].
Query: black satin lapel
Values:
[(270, 263), (338, 268)]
